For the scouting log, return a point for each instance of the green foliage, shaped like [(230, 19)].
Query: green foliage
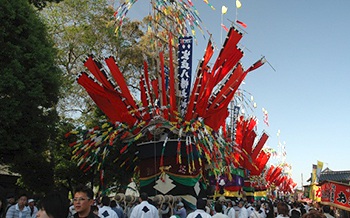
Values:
[(31, 89), (29, 86), (79, 28), (40, 4), (66, 172)]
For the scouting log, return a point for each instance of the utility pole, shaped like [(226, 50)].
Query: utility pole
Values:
[(302, 179)]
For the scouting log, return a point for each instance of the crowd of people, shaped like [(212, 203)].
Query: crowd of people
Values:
[(263, 209), (83, 204), (52, 205)]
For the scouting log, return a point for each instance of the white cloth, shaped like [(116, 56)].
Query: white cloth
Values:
[(254, 214), (250, 209), (197, 212), (35, 211), (107, 212), (230, 212), (144, 210), (243, 213), (263, 213), (132, 190), (328, 215), (220, 215), (236, 210), (15, 212), (281, 216)]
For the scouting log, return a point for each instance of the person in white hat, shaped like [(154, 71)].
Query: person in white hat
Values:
[(32, 208)]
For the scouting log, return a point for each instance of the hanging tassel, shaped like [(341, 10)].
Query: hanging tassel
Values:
[(178, 157), (188, 154), (163, 150), (192, 157), (123, 149)]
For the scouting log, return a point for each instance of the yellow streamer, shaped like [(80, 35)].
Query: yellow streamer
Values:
[(105, 125), (238, 4)]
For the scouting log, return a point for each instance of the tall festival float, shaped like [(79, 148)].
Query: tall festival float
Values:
[(174, 137)]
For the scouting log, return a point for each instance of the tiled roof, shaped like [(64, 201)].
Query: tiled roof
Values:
[(338, 176)]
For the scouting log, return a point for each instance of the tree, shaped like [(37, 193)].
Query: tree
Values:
[(29, 87), (79, 28), (66, 173), (40, 4)]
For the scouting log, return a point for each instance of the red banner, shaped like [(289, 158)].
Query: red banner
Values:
[(336, 194)]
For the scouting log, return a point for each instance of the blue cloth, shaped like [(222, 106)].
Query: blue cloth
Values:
[(14, 212), (119, 211), (181, 212)]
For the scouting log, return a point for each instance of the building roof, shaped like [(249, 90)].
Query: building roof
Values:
[(338, 176)]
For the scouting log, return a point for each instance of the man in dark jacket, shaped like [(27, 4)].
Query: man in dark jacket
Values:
[(83, 200)]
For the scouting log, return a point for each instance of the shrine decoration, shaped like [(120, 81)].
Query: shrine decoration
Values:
[(335, 194), (175, 142), (249, 160)]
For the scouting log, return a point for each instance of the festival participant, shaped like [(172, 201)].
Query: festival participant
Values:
[(71, 209), (282, 210), (19, 209), (269, 209), (115, 206), (218, 210), (326, 211), (33, 209), (10, 201), (53, 205), (262, 210), (302, 209), (94, 209), (180, 210), (230, 210), (255, 213), (306, 206), (164, 210), (250, 208), (223, 202), (295, 211), (209, 209), (199, 212), (243, 213), (2, 206), (106, 211), (144, 209), (83, 200), (130, 207), (314, 214)]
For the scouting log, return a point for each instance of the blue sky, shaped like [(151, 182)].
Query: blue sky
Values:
[(307, 97)]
